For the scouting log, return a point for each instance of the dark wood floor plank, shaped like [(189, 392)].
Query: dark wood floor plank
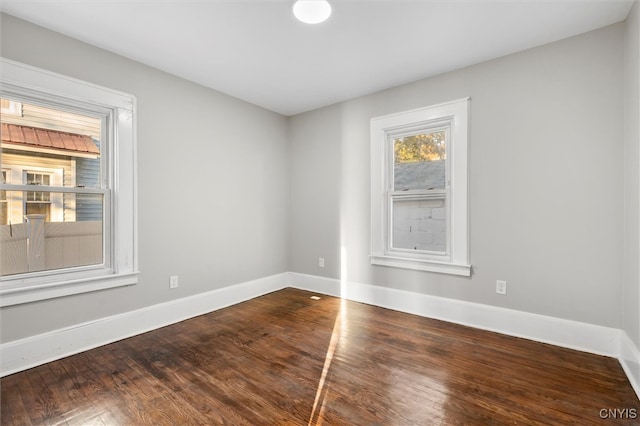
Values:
[(44, 408), (95, 402), (284, 359), (12, 408)]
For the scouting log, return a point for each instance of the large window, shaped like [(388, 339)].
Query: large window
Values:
[(419, 189), (67, 195)]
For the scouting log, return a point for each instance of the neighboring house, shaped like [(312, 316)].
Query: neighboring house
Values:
[(420, 224), (46, 147), (419, 175)]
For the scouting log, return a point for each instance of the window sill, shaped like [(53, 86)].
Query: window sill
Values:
[(422, 265), (19, 295)]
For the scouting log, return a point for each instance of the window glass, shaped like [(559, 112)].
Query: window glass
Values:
[(419, 161), (420, 224), (48, 148), (418, 200)]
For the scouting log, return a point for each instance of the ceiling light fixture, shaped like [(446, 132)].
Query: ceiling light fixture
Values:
[(312, 11)]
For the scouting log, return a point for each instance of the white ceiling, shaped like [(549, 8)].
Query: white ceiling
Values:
[(255, 50)]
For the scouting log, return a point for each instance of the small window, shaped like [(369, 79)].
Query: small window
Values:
[(419, 189), (9, 107), (66, 158), (38, 202)]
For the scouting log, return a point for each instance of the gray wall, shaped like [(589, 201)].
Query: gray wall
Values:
[(546, 198), (213, 183), (631, 289)]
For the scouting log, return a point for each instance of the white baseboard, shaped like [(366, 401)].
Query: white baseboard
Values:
[(584, 337), (22, 354), (25, 353), (630, 361), (560, 332)]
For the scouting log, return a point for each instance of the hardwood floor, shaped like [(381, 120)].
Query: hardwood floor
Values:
[(285, 359)]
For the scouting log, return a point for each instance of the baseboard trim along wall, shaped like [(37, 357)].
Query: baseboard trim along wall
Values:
[(560, 332), (25, 353), (630, 360), (36, 350), (576, 335)]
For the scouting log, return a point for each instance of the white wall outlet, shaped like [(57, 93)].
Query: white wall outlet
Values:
[(501, 287), (321, 262), (173, 281)]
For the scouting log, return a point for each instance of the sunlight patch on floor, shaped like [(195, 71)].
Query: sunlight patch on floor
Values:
[(337, 335)]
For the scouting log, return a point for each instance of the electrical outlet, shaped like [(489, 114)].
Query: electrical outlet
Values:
[(321, 262), (173, 281), (501, 287)]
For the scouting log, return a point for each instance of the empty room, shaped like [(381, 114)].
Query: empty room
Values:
[(312, 212)]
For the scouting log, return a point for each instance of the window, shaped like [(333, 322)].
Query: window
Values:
[(38, 202), (66, 227), (8, 107), (419, 217)]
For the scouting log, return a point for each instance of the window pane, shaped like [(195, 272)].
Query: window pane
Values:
[(419, 225), (47, 147), (54, 147), (45, 240), (38, 178), (419, 161), (33, 196)]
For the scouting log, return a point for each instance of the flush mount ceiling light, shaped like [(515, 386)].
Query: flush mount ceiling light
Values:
[(312, 11)]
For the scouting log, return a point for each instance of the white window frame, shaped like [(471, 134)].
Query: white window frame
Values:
[(24, 82), (453, 115)]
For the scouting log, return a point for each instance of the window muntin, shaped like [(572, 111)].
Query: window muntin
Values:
[(419, 217), (116, 158)]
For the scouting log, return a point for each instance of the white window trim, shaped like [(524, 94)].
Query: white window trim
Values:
[(27, 81), (456, 261)]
